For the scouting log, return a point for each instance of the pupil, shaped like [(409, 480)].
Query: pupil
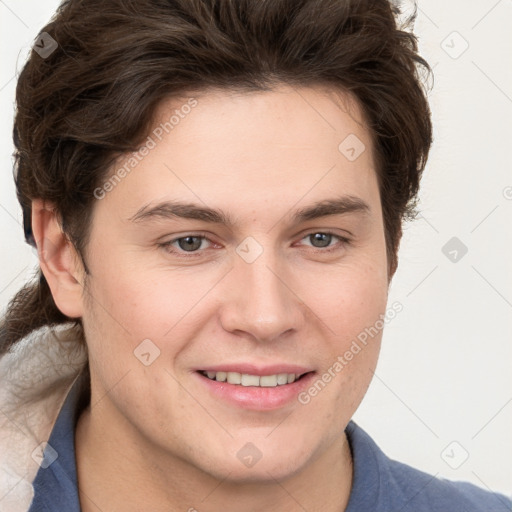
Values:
[(185, 244), (319, 236)]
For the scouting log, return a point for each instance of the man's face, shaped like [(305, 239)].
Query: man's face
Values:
[(271, 293)]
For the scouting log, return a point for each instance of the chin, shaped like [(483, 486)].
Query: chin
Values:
[(277, 467), (250, 465)]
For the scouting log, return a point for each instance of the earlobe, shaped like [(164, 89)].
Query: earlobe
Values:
[(58, 259)]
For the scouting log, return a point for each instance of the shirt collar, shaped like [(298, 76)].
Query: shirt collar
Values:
[(56, 483)]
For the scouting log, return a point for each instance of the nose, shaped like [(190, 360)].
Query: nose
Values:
[(259, 300)]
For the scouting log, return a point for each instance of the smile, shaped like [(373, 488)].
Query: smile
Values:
[(245, 379)]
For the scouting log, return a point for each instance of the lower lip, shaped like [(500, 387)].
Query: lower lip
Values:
[(254, 397)]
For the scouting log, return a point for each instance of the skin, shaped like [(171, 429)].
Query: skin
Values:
[(154, 433)]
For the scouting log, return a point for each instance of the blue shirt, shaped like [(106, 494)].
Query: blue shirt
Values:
[(379, 484)]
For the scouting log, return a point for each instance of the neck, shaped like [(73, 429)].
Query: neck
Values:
[(141, 477)]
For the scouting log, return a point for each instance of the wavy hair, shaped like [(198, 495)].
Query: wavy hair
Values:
[(93, 98)]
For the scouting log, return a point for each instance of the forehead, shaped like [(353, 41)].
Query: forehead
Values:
[(289, 114), (251, 150)]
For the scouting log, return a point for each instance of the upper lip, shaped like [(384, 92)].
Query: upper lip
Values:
[(253, 369)]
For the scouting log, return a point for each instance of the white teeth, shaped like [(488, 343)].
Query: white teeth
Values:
[(268, 381), (234, 378), (245, 379), (220, 376), (282, 378), (250, 380)]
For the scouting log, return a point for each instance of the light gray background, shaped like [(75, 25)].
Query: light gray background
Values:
[(443, 387)]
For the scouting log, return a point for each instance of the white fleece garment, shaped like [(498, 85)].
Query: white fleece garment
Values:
[(35, 377)]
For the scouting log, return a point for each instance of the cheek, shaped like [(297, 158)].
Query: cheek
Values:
[(350, 298), (131, 307), (143, 304), (124, 309), (352, 307)]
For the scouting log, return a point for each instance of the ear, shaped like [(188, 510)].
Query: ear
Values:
[(58, 259), (393, 265)]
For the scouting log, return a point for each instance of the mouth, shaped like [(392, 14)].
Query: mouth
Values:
[(253, 391), (253, 380)]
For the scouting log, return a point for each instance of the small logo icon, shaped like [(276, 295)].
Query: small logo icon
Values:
[(351, 147), (44, 455), (454, 45), (454, 249), (249, 250), (45, 45), (146, 352), (249, 455), (455, 455)]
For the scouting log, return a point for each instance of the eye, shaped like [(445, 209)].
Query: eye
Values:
[(190, 243), (186, 244), (324, 238)]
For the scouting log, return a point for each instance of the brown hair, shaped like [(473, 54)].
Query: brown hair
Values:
[(93, 98)]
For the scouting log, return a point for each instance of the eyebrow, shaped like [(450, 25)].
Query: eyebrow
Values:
[(176, 209)]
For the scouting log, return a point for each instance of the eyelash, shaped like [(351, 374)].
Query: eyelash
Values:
[(183, 254)]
